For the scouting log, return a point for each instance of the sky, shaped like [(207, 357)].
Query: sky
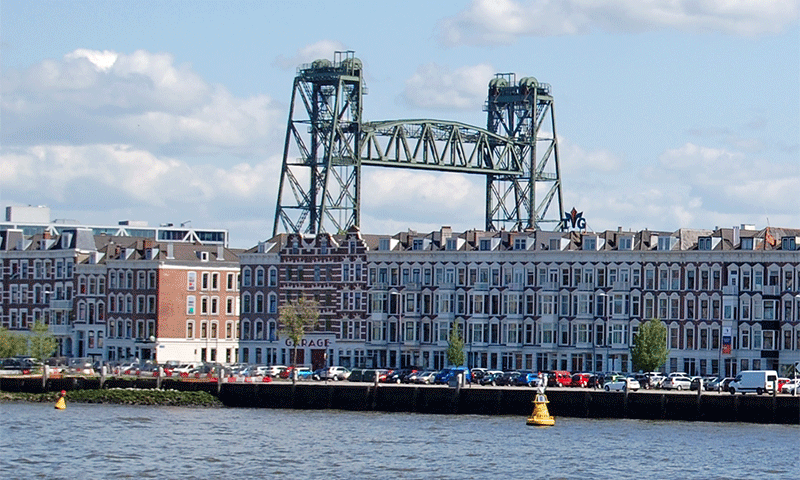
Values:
[(670, 113)]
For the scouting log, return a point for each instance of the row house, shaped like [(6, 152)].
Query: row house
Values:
[(329, 269), (37, 281), (542, 300), (123, 298)]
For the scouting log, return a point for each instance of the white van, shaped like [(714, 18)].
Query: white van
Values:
[(758, 381)]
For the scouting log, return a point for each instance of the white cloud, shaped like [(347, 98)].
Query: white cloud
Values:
[(120, 175), (142, 99), (436, 86), (321, 49), (504, 21)]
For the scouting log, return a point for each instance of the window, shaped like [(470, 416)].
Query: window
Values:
[(704, 243), (625, 243), (589, 243), (190, 305), (189, 329), (191, 279), (746, 243), (520, 244)]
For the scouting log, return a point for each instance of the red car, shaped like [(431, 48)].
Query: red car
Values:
[(558, 378), (579, 380)]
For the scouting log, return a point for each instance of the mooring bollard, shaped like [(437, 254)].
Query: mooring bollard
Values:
[(44, 377)]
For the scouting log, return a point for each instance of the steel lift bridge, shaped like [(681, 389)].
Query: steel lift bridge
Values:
[(327, 142)]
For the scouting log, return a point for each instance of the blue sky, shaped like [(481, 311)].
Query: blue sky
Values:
[(669, 113)]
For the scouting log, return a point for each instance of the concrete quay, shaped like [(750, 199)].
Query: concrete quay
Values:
[(475, 400), (565, 402)]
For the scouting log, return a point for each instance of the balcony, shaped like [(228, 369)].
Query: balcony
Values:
[(620, 286), (61, 304), (771, 291), (61, 330), (585, 287), (549, 286), (730, 290), (481, 286), (515, 287)]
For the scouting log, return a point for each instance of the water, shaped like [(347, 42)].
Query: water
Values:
[(109, 441)]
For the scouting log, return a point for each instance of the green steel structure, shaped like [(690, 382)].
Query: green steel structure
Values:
[(327, 142)]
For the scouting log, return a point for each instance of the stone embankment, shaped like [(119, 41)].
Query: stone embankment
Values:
[(566, 402)]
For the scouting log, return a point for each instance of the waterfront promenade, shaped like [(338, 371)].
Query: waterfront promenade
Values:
[(470, 399)]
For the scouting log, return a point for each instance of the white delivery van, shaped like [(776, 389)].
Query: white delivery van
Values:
[(758, 381)]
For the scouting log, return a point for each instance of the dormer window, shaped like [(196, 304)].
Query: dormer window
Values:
[(746, 243), (665, 243), (295, 247), (417, 244), (590, 243), (383, 244), (451, 244), (555, 244), (323, 246), (520, 244), (703, 243), (788, 243), (625, 243), (486, 244)]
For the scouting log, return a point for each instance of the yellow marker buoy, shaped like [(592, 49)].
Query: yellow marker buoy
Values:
[(61, 404), (540, 416)]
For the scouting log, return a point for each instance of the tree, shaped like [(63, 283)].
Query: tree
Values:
[(11, 343), (296, 318), (649, 350), (455, 346), (41, 343)]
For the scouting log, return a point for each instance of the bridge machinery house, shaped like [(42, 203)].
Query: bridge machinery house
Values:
[(545, 300), (331, 270)]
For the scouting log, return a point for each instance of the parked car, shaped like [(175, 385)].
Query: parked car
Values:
[(478, 373), (508, 378), (676, 383), (275, 370), (490, 377), (356, 375), (526, 377), (558, 378), (622, 383), (399, 375), (792, 386), (757, 381), (782, 381), (719, 384), (446, 374), (579, 380), (336, 373), (426, 377)]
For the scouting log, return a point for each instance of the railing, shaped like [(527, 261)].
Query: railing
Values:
[(61, 304), (730, 289), (60, 330)]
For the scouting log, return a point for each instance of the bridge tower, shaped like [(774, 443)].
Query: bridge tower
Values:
[(319, 186), (523, 111)]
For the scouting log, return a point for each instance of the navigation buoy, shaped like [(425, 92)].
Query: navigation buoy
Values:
[(61, 404), (540, 416)]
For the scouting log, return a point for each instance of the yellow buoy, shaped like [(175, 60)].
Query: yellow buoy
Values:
[(61, 404), (540, 416)]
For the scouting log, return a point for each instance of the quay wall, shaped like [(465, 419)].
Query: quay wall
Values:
[(651, 405)]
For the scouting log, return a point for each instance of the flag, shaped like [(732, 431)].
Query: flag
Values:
[(770, 239)]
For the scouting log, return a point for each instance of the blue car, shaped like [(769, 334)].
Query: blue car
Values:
[(526, 377), (446, 374)]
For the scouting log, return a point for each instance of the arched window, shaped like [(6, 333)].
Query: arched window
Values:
[(246, 303), (273, 303), (259, 303), (245, 330), (246, 275), (259, 331), (273, 277), (259, 277)]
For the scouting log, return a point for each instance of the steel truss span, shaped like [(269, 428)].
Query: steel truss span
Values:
[(327, 142)]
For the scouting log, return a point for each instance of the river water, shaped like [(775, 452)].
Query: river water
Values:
[(109, 441)]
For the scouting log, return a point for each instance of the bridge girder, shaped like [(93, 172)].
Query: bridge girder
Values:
[(327, 144)]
